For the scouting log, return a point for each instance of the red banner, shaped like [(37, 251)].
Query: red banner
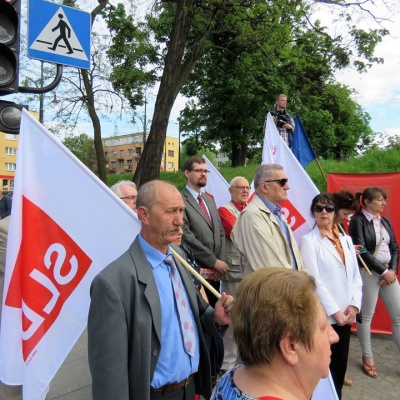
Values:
[(390, 183)]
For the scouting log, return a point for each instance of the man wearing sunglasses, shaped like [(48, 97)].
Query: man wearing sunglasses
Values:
[(261, 232)]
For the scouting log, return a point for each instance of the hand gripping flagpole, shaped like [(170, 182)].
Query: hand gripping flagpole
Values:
[(196, 274)]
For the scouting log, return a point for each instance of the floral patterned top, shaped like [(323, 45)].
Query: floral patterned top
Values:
[(225, 389)]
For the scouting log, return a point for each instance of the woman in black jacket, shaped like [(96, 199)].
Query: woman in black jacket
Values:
[(381, 254)]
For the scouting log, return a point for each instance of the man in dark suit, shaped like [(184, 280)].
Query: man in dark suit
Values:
[(203, 231), (137, 346)]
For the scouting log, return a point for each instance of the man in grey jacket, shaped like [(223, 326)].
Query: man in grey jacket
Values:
[(137, 340)]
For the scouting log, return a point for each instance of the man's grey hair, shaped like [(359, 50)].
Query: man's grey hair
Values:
[(235, 179), (147, 193), (263, 173), (116, 187)]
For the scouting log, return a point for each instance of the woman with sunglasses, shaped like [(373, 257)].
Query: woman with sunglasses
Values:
[(346, 204), (375, 233), (330, 257)]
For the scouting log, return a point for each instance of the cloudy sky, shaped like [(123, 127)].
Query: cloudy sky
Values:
[(379, 88)]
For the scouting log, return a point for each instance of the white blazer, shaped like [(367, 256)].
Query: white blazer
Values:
[(338, 285)]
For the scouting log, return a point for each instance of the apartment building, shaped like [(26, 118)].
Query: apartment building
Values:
[(8, 157), (123, 152)]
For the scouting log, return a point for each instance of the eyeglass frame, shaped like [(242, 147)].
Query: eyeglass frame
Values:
[(200, 171), (128, 198), (241, 187), (282, 182), (318, 208)]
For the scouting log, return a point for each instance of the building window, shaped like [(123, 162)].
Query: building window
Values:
[(11, 151), (106, 155), (130, 164), (11, 136), (130, 152), (121, 163), (113, 164), (170, 153), (121, 153), (138, 151), (170, 165), (10, 166), (114, 153)]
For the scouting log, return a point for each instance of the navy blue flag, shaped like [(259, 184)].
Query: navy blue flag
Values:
[(301, 146)]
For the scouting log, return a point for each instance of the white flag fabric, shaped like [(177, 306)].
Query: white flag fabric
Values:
[(65, 227), (302, 189), (217, 186), (296, 209)]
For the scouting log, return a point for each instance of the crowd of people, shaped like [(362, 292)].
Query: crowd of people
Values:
[(260, 316), (283, 309)]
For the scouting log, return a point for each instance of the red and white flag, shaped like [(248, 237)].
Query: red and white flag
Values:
[(65, 227), (302, 189), (296, 208)]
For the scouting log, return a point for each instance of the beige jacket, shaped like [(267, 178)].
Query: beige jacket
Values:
[(261, 241)]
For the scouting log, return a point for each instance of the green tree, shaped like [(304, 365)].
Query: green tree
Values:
[(82, 147), (262, 36)]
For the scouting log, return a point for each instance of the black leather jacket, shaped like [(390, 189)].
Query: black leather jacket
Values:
[(363, 232)]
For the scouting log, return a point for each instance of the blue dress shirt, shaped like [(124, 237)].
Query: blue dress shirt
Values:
[(174, 364)]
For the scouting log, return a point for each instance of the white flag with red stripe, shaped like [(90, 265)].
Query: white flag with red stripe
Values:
[(65, 227), (302, 189), (296, 208)]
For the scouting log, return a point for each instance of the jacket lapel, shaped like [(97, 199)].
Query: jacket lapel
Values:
[(145, 276), (194, 203)]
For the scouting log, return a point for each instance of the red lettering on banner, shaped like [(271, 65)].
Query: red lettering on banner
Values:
[(293, 217), (49, 267)]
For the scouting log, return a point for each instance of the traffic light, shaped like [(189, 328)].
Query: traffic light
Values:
[(10, 15), (10, 116)]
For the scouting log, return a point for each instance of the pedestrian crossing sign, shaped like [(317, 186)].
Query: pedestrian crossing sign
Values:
[(59, 34)]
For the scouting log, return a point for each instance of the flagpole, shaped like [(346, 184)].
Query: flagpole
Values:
[(358, 255), (196, 274), (320, 168)]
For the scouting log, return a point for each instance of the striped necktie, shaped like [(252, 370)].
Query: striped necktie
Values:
[(203, 207), (186, 320)]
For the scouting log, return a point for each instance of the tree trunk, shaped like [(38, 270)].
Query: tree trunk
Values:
[(98, 144), (239, 153), (90, 104), (179, 63)]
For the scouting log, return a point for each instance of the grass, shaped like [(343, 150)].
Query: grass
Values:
[(374, 161)]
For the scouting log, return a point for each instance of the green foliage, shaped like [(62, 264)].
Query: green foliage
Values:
[(133, 55), (82, 147)]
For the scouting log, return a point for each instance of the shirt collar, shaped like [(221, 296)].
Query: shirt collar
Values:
[(192, 192), (239, 206), (154, 256), (370, 217), (271, 206)]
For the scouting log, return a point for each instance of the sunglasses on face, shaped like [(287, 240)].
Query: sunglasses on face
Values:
[(328, 208), (282, 182)]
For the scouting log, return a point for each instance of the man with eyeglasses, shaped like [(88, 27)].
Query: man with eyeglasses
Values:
[(261, 232), (204, 234), (127, 192), (239, 190)]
